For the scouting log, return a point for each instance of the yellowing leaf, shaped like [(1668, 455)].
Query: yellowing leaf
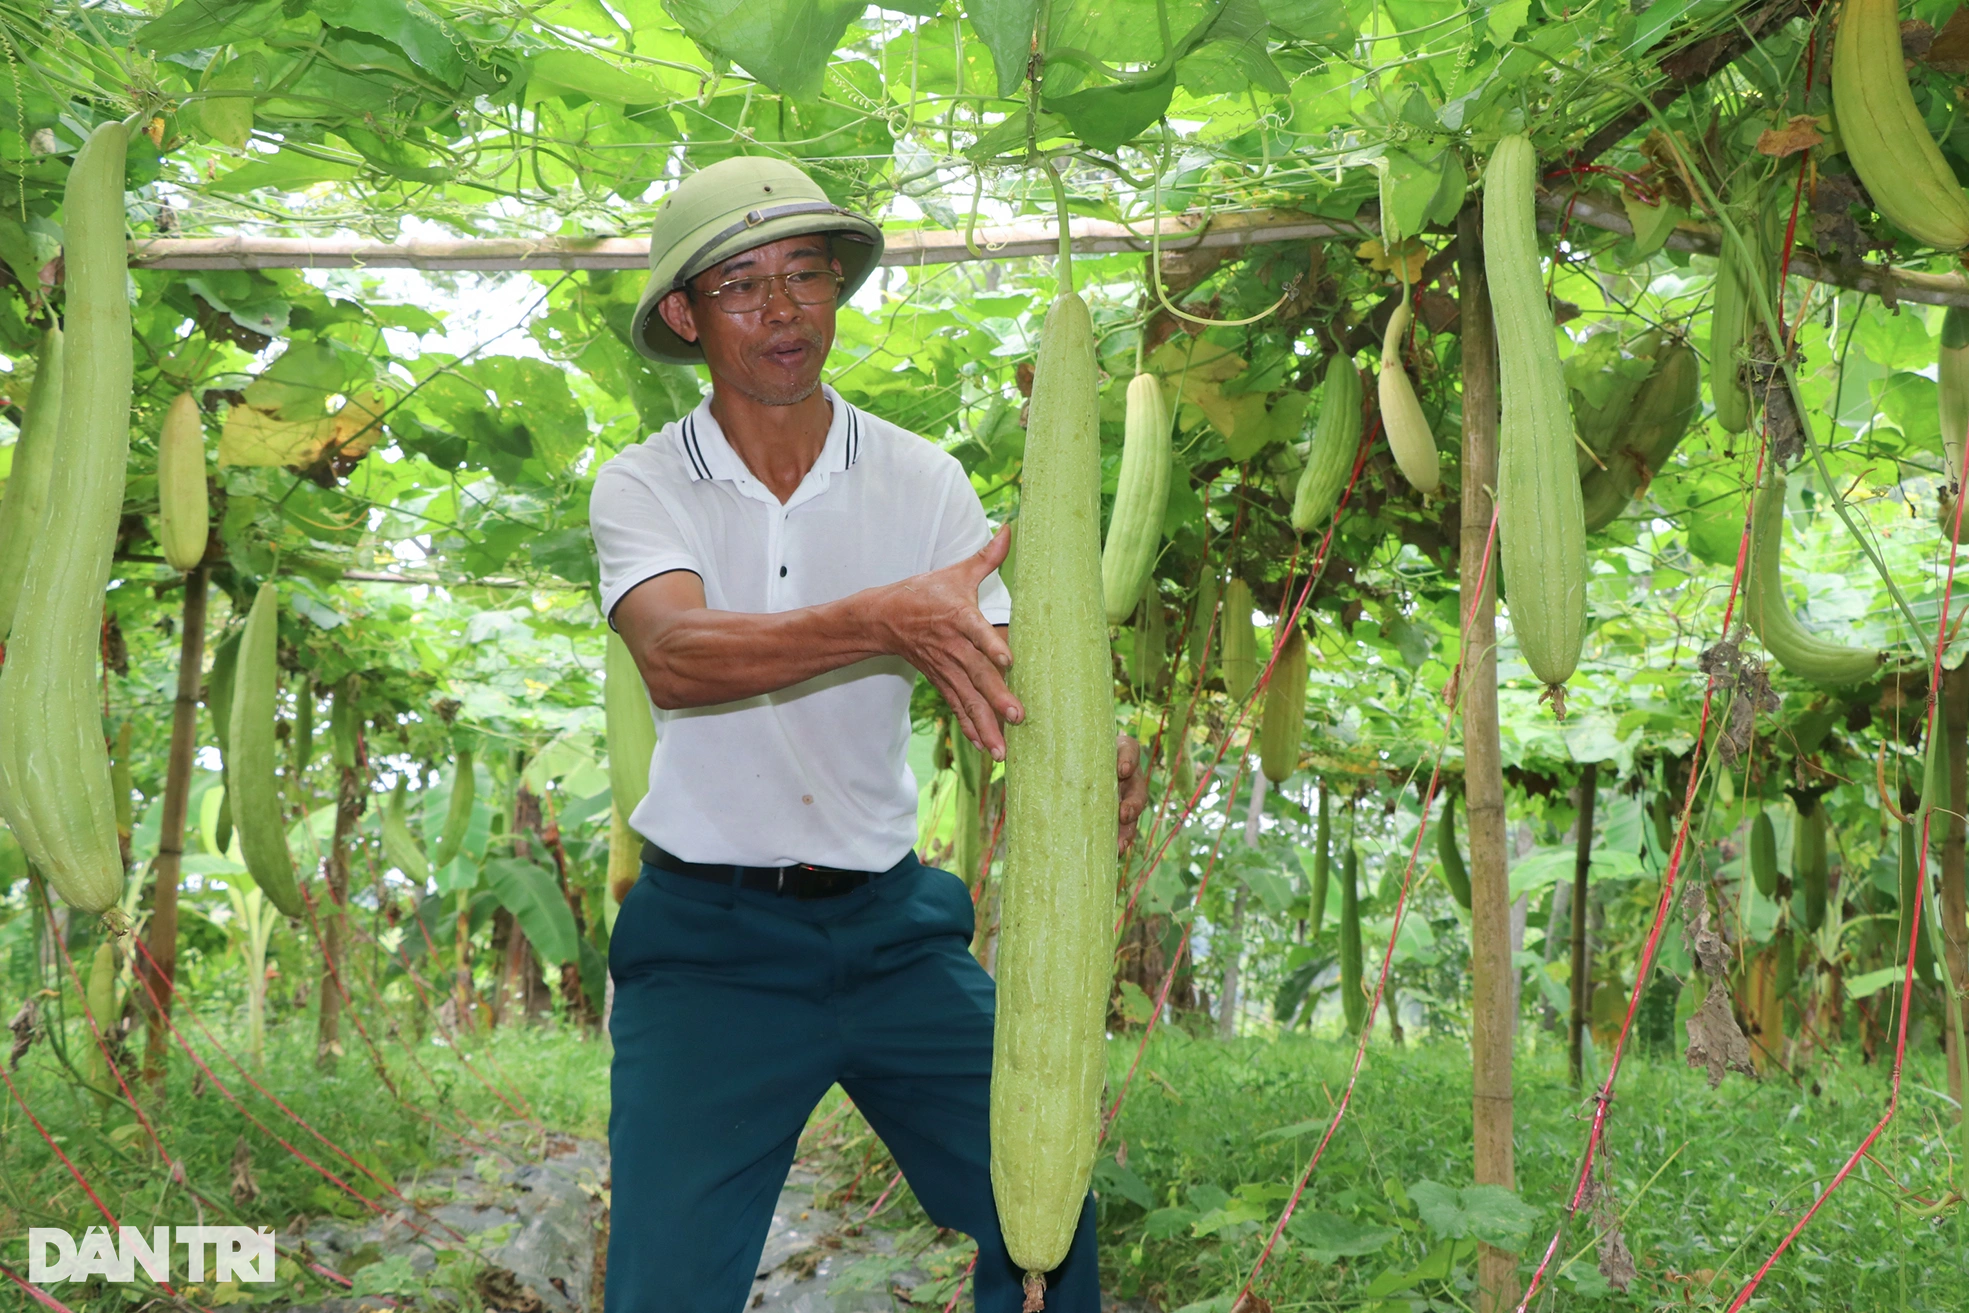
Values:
[(1412, 253), (253, 436)]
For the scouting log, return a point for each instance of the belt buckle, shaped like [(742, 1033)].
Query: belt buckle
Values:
[(819, 883)]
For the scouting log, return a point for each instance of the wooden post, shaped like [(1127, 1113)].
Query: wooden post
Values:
[(1491, 1020), (1234, 932), (1955, 930), (1582, 989), (163, 930), (351, 793)]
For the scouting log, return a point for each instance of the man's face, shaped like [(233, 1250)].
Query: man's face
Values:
[(772, 355)]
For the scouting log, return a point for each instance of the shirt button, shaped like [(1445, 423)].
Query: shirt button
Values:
[(782, 572), (807, 798)]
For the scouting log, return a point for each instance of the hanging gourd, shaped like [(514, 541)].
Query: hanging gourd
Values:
[(1541, 523), (55, 790), (1055, 955)]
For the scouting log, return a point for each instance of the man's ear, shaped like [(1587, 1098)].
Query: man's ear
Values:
[(679, 314)]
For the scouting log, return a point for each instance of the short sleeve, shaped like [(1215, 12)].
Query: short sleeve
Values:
[(636, 535), (962, 530)]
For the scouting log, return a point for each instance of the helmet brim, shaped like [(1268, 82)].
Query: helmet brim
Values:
[(859, 250)]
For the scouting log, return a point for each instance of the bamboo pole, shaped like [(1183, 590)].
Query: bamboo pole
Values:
[(904, 247), (922, 247), (163, 928), (1582, 992), (1491, 1019)]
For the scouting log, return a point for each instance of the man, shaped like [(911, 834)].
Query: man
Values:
[(780, 565)]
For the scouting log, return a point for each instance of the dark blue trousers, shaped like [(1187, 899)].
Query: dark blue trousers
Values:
[(735, 1010)]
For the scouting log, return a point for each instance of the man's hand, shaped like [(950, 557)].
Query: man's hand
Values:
[(1134, 777), (933, 622)]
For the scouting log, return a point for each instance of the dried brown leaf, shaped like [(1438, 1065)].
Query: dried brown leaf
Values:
[(26, 1027), (501, 1289), (244, 1189), (1800, 133), (1753, 695), (1763, 372), (1706, 946), (1917, 38), (1949, 52), (1715, 1041), (1616, 1259)]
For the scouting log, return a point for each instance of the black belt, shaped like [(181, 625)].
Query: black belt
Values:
[(799, 881)]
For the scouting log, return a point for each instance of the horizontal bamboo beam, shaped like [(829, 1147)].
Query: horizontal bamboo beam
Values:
[(917, 247), (1881, 280), (905, 247)]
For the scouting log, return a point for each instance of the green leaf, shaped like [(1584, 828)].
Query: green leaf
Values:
[(204, 24), (1872, 982), (226, 115), (1322, 22), (1271, 887), (569, 553), (387, 1276), (286, 171), (1408, 192), (17, 249), (1111, 1177), (573, 72), (1010, 133), (1652, 224), (1111, 116), (459, 874), (1489, 1213), (531, 893), (1506, 17), (407, 25), (1006, 27), (393, 155), (786, 44), (1329, 1237), (298, 384)]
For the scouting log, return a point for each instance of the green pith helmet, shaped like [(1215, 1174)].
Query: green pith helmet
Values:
[(732, 206)]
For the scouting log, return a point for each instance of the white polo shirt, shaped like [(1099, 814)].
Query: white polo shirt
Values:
[(817, 772)]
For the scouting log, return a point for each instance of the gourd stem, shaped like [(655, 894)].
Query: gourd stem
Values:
[(1066, 234)]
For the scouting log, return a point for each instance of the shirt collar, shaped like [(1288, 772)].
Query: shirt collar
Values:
[(710, 455)]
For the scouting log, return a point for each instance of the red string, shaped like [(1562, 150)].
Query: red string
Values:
[(489, 1137), (266, 1130), (1914, 933), (458, 1048), (49, 1140), (956, 1294), (376, 1056), (883, 1198), (177, 1168), (1313, 575), (1603, 1100), (34, 1292), (1394, 929), (302, 1122), (348, 1003)]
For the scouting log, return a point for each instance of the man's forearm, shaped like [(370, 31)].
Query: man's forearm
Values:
[(702, 657)]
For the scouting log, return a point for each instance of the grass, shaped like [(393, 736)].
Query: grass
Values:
[(1709, 1180), (235, 1173), (1212, 1137)]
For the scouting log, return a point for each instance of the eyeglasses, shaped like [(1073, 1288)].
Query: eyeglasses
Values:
[(738, 296)]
